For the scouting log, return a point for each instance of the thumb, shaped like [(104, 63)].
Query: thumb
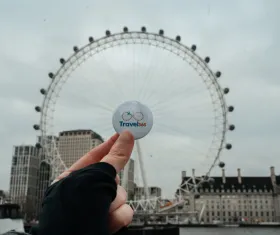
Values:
[(121, 151)]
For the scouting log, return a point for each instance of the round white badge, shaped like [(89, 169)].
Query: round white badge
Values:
[(134, 117)]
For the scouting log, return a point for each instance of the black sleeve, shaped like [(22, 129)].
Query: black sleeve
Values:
[(79, 204)]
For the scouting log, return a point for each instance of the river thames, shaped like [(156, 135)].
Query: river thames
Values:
[(230, 231)]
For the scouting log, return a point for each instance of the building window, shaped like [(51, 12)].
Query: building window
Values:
[(14, 160), (24, 178)]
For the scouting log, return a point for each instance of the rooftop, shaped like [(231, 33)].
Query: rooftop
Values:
[(81, 132), (76, 131), (232, 183)]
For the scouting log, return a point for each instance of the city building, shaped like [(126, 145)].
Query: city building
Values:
[(24, 178), (3, 197), (238, 198), (133, 191), (139, 193), (74, 144), (44, 175), (129, 185)]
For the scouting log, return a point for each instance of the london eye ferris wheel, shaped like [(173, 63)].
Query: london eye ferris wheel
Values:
[(183, 93)]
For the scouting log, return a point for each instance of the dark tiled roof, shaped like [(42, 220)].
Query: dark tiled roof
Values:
[(231, 183), (94, 135), (75, 131)]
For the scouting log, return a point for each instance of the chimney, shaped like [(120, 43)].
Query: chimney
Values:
[(272, 170), (272, 175), (239, 176), (183, 174), (223, 176), (193, 172)]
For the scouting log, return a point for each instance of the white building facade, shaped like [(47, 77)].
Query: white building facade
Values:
[(247, 199)]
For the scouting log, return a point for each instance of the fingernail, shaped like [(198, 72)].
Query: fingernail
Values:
[(126, 136)]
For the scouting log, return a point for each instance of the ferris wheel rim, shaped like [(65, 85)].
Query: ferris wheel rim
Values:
[(57, 79)]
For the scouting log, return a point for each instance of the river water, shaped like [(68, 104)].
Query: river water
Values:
[(230, 231), (222, 231)]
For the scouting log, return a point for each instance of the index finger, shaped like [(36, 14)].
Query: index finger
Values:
[(95, 155)]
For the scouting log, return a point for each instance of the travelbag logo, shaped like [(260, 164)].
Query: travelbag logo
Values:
[(137, 117)]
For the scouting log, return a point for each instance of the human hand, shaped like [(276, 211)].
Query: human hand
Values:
[(116, 151)]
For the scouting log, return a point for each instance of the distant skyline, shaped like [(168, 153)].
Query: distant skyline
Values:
[(241, 38)]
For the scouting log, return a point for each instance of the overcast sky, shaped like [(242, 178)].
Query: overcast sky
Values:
[(241, 37)]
